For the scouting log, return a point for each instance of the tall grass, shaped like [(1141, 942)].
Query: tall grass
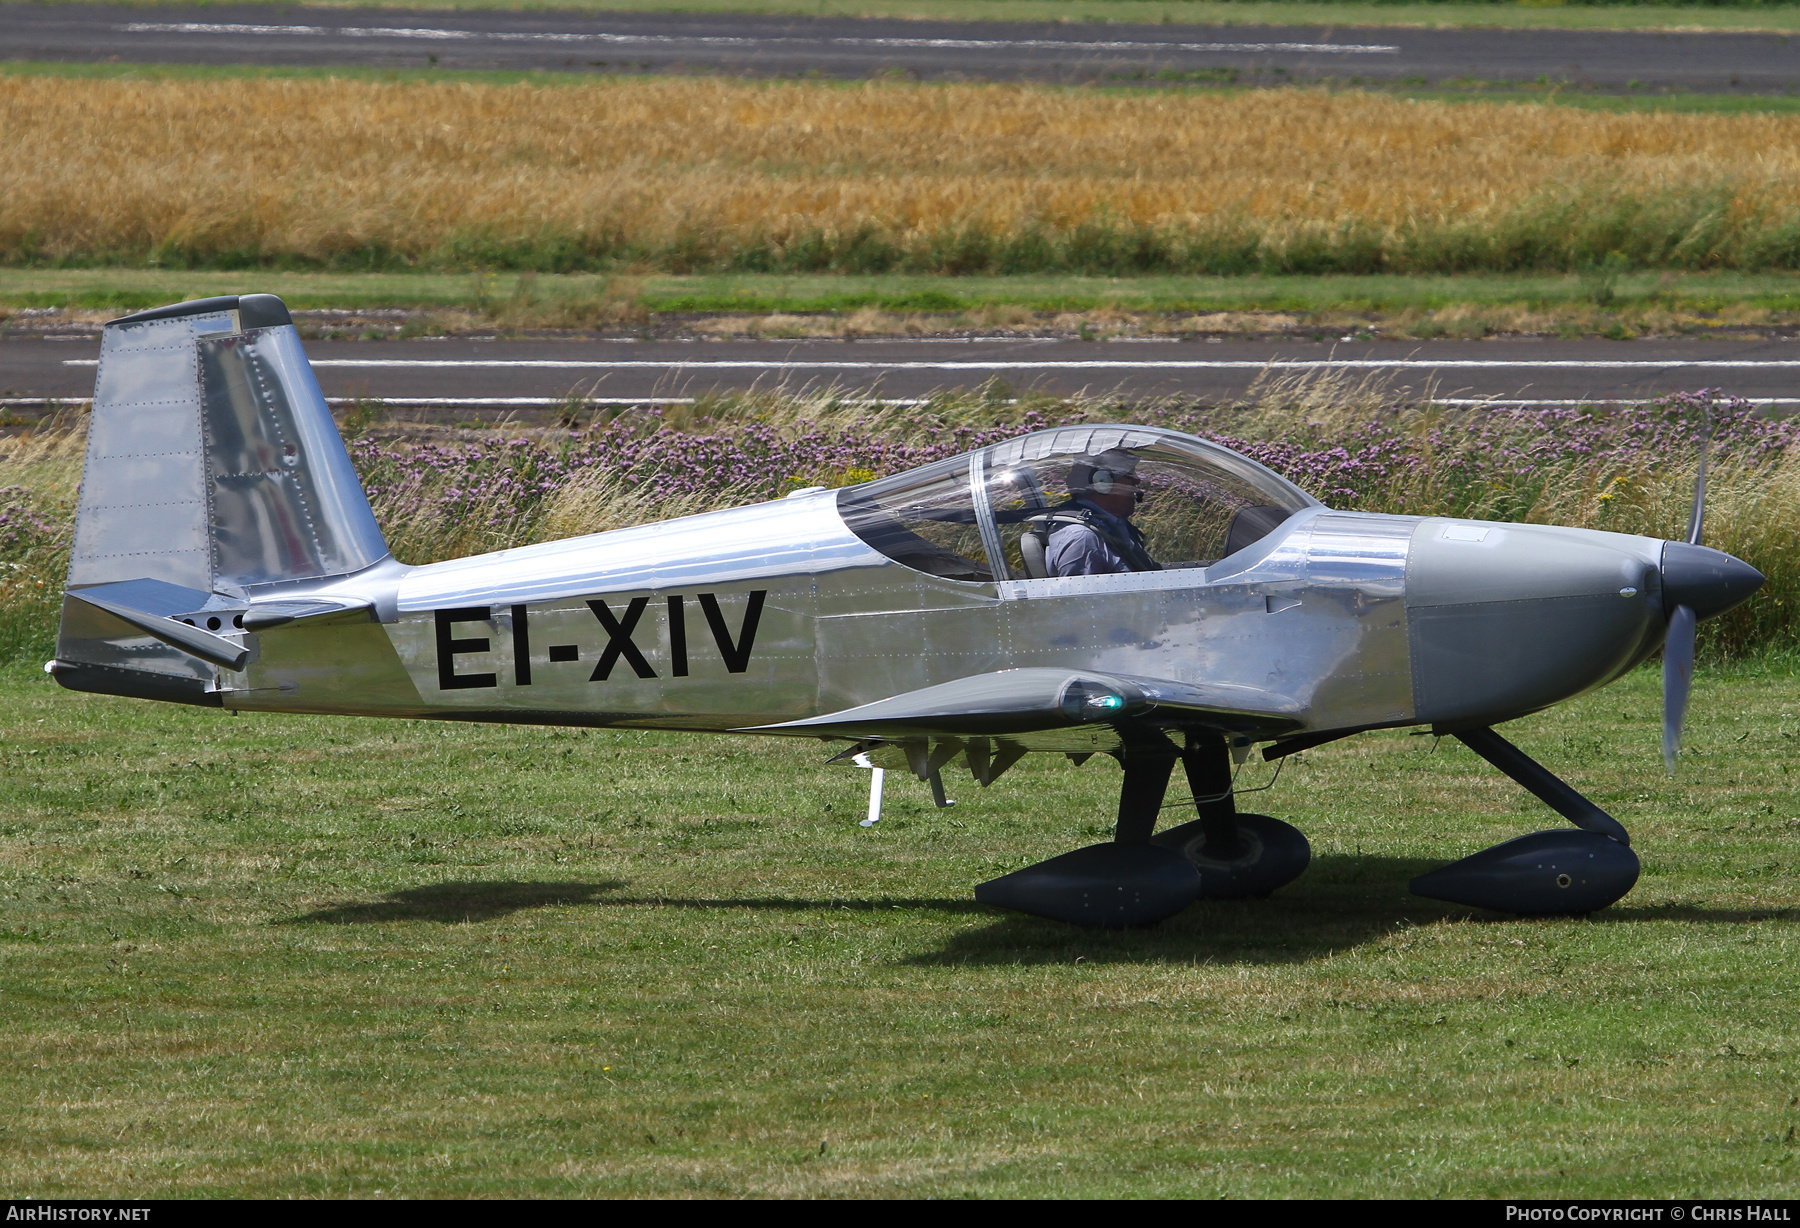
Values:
[(39, 474), (690, 174), (1627, 470)]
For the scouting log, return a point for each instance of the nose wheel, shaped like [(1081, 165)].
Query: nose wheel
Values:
[(1547, 873)]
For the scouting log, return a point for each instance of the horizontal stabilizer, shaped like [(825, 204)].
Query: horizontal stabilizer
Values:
[(263, 615), (1020, 701), (142, 604)]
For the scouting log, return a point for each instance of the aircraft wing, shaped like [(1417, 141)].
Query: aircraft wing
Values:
[(1052, 709)]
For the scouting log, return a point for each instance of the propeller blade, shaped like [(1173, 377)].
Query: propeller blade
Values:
[(1678, 645), (1678, 678), (1697, 518)]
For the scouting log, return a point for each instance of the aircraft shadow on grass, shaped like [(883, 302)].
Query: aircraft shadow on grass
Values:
[(457, 902), (1343, 902)]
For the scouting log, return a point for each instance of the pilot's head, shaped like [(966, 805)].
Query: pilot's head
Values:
[(1108, 480)]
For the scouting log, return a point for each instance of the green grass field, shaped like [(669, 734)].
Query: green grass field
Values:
[(295, 956), (1461, 305), (1550, 14)]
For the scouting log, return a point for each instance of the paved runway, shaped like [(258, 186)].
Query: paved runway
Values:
[(853, 47), (497, 374)]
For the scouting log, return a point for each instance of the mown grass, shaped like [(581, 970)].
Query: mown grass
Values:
[(687, 175), (298, 956), (1772, 15), (1595, 302)]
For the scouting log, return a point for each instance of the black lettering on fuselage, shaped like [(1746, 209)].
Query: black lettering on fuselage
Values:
[(448, 648), (734, 650), (521, 630), (737, 655), (619, 643), (677, 638)]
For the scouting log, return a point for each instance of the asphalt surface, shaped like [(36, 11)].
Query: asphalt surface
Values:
[(495, 376), (852, 47)]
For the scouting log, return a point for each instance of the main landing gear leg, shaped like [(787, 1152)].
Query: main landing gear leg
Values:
[(1130, 881), (1238, 855), (1547, 872), (1148, 765)]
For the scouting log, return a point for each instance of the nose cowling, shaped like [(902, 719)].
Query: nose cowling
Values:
[(1707, 581), (1508, 619)]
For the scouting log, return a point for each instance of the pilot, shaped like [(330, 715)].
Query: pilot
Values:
[(1092, 534)]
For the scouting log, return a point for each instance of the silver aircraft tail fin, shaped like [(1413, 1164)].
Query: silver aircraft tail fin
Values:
[(213, 466)]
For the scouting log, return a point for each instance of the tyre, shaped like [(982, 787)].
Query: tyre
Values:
[(1270, 854)]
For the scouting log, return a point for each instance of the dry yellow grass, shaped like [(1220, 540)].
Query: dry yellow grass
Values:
[(684, 173)]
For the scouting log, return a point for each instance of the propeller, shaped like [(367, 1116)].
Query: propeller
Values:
[(1678, 679), (1678, 646)]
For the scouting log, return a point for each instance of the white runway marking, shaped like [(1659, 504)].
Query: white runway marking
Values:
[(1092, 364), (720, 40), (463, 402), (545, 402)]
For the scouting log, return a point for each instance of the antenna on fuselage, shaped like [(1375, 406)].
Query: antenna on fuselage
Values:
[(877, 778)]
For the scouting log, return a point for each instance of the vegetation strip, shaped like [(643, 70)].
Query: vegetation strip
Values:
[(1624, 468), (1575, 94), (875, 178), (1608, 301)]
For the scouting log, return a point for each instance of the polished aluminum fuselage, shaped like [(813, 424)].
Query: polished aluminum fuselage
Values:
[(1353, 620)]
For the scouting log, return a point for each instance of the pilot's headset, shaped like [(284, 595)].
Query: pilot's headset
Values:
[(1100, 474)]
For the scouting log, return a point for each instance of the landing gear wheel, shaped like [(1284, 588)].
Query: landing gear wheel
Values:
[(1104, 886), (1269, 855), (1545, 874)]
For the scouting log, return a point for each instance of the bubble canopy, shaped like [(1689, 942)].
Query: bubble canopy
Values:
[(983, 516)]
